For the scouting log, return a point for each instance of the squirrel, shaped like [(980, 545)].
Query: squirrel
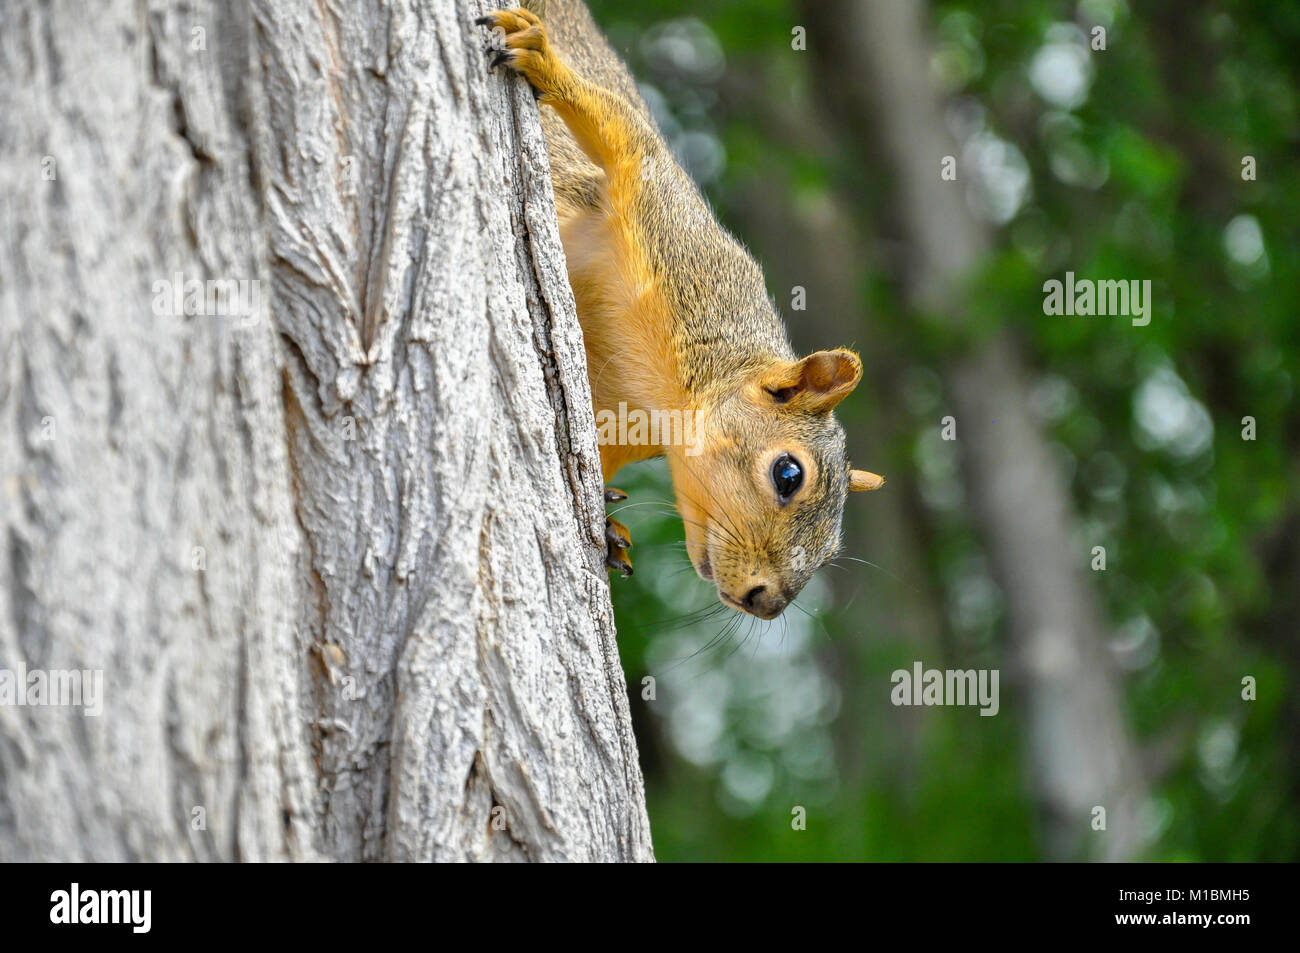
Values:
[(675, 316)]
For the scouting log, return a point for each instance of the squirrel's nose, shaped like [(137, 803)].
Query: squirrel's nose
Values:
[(764, 602)]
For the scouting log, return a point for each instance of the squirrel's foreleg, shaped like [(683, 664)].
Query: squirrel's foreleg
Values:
[(613, 135)]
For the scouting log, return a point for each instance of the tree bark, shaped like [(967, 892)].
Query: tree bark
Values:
[(338, 558), (1080, 753)]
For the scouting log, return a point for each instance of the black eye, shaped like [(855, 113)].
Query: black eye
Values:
[(787, 476)]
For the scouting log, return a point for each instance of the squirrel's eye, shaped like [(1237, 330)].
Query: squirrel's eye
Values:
[(787, 476)]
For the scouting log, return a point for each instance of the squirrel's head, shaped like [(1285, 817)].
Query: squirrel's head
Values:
[(762, 491)]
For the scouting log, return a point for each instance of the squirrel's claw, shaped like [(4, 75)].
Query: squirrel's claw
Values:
[(512, 21), (617, 538), (520, 43)]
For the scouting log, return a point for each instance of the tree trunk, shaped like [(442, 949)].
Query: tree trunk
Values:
[(1081, 755), (338, 557)]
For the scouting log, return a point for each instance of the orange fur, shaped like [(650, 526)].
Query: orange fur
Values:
[(676, 317)]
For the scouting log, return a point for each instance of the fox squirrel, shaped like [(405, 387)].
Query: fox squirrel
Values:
[(675, 316)]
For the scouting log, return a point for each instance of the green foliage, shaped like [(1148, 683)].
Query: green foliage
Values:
[(1142, 179)]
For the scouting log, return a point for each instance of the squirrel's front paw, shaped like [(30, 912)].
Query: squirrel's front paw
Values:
[(523, 47), (617, 538)]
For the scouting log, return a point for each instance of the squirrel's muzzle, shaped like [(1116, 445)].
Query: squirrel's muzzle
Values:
[(763, 601)]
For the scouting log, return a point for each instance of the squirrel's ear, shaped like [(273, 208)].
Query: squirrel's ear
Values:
[(861, 480), (817, 383)]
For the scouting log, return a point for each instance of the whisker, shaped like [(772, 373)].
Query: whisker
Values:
[(673, 622), (726, 523), (867, 562), (629, 506)]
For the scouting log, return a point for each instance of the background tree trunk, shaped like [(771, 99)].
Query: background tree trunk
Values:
[(338, 560), (1079, 749)]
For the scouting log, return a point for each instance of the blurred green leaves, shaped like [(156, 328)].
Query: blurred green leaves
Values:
[(1140, 179)]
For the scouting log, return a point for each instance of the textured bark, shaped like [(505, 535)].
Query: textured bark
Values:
[(341, 565), (1080, 752)]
